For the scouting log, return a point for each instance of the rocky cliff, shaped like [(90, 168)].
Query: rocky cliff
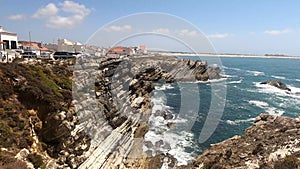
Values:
[(37, 116), (123, 106), (94, 114), (100, 125), (272, 142)]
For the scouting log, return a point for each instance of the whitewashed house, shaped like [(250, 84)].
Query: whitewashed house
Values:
[(8, 40)]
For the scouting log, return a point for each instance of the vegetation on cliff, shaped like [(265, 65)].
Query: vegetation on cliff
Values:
[(38, 121), (29, 95)]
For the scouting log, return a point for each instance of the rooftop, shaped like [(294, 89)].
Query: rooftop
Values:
[(2, 31)]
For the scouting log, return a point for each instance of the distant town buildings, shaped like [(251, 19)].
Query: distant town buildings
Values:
[(11, 48), (36, 48), (51, 46), (8, 40), (64, 45), (121, 50)]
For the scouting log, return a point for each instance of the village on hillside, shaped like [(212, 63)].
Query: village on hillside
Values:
[(11, 48)]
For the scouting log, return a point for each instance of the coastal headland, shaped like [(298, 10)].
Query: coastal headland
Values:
[(93, 113)]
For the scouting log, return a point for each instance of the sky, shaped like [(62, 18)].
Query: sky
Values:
[(231, 26)]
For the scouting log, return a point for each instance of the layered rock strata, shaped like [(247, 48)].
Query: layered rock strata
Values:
[(115, 113)]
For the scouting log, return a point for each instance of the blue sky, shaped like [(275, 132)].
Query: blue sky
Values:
[(233, 26)]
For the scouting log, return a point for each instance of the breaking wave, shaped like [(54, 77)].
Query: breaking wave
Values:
[(163, 137), (267, 108)]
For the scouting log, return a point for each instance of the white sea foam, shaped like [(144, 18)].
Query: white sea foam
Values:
[(236, 82), (176, 141), (294, 90), (211, 81), (274, 111), (268, 109), (256, 73), (279, 77), (164, 87), (257, 103), (235, 122), (265, 88), (228, 76), (298, 80)]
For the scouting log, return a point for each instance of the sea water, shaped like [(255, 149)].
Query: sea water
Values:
[(245, 98)]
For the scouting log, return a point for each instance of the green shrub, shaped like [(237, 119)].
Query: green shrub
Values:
[(6, 135)]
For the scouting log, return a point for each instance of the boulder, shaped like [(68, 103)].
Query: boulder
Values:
[(137, 102), (276, 83)]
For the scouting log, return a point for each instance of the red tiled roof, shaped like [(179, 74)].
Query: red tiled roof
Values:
[(143, 47), (35, 45), (117, 49)]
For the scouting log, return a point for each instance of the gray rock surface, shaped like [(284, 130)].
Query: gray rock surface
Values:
[(122, 104), (269, 140)]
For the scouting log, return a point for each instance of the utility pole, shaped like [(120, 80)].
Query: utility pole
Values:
[(30, 40)]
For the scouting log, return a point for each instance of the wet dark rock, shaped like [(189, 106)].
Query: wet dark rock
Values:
[(168, 116), (276, 83), (159, 143), (170, 125)]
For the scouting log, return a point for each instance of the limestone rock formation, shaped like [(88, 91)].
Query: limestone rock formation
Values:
[(102, 124), (270, 140), (123, 106), (98, 121)]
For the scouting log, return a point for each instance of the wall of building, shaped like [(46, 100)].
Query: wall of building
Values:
[(64, 45), (13, 40)]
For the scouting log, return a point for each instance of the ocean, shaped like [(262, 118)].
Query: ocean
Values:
[(245, 98)]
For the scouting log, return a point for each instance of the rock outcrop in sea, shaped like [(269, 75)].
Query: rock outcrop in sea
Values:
[(277, 83)]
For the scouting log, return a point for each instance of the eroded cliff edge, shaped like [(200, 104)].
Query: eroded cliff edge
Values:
[(123, 91), (102, 123), (271, 142)]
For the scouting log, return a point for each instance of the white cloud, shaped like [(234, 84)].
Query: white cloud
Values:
[(17, 17), (51, 13), (75, 8), (114, 28), (277, 32), (218, 35), (162, 31), (57, 22), (186, 32), (45, 12)]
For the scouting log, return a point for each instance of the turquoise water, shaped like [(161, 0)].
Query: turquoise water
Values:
[(245, 99)]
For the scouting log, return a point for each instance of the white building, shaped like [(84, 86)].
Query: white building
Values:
[(64, 45), (8, 40)]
